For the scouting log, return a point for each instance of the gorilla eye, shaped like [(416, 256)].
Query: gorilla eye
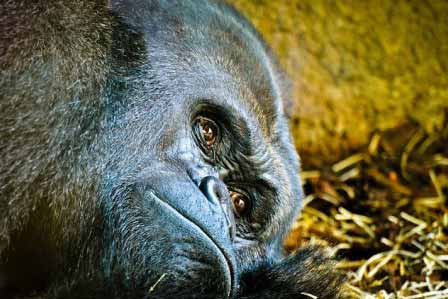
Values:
[(206, 131), (240, 203)]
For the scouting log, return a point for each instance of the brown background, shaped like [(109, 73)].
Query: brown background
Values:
[(357, 66)]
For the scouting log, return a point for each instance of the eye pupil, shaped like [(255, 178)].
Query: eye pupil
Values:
[(239, 202), (208, 131)]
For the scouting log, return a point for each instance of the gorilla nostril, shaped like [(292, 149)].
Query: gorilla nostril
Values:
[(213, 189), (216, 192)]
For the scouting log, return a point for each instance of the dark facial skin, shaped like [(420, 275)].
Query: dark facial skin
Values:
[(146, 155)]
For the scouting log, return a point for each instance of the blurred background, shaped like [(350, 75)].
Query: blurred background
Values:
[(369, 116)]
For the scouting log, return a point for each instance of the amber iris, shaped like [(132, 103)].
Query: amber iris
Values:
[(240, 203), (208, 131)]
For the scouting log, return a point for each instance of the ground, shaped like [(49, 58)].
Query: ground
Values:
[(384, 211)]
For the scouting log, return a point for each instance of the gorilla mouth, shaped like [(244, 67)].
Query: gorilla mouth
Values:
[(223, 254)]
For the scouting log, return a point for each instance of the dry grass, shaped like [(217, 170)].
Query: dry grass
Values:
[(384, 211)]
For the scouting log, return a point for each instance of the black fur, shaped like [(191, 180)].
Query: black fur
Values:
[(100, 168)]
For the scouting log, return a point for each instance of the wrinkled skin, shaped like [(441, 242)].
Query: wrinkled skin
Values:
[(107, 186)]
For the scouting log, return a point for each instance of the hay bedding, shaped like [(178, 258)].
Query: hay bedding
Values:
[(384, 213)]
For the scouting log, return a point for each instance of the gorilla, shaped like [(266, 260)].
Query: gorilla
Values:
[(145, 153)]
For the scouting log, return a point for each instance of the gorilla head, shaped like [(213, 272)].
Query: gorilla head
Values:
[(145, 154)]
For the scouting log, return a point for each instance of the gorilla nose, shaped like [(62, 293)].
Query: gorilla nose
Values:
[(214, 189), (216, 192)]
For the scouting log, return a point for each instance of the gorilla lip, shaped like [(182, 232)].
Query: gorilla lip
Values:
[(224, 254)]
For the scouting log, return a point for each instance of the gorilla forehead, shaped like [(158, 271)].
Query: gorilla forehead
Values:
[(204, 49)]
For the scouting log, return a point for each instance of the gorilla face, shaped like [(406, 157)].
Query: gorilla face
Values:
[(145, 154), (200, 162)]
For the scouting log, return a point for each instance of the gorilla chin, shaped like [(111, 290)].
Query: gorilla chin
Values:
[(145, 153), (190, 236), (205, 258)]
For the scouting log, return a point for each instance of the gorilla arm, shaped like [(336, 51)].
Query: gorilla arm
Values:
[(307, 273)]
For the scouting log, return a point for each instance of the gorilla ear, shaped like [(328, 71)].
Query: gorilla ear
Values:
[(308, 273)]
